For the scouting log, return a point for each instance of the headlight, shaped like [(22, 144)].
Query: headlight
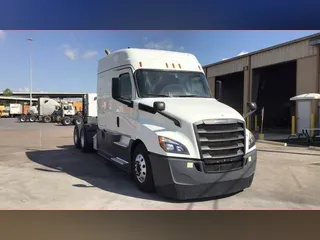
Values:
[(252, 140), (172, 146)]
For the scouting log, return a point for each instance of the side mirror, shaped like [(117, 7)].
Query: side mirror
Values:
[(218, 90), (115, 88), (95, 98), (252, 108), (159, 106)]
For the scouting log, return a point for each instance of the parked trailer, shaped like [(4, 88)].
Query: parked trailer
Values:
[(157, 120), (16, 109)]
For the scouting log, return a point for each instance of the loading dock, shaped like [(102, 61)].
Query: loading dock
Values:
[(232, 91), (271, 77), (272, 87)]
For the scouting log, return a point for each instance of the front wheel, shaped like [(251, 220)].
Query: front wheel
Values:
[(141, 169)]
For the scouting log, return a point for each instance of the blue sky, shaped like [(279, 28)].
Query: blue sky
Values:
[(67, 60)]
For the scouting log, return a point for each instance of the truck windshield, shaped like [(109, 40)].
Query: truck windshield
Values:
[(67, 107), (160, 83)]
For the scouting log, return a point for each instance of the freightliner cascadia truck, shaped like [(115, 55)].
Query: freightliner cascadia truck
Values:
[(155, 118)]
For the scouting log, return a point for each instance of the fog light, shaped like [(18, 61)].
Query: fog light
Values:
[(189, 165), (249, 159)]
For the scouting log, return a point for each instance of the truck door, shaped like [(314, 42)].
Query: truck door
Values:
[(125, 126)]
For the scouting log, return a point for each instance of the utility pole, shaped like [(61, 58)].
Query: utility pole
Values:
[(30, 69)]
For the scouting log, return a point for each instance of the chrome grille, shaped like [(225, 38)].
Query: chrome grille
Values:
[(221, 144)]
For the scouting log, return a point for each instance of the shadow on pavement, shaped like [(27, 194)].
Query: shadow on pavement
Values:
[(90, 168), (95, 171)]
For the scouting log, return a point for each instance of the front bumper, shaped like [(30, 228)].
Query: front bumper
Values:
[(179, 178)]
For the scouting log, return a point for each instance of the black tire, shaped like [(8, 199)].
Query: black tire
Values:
[(22, 118), (47, 119), (86, 140), (148, 184), (76, 137), (66, 121), (32, 118)]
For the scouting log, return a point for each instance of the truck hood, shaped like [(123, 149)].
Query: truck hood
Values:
[(195, 109)]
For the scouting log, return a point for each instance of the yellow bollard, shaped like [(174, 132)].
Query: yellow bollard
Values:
[(313, 123), (293, 125), (256, 128)]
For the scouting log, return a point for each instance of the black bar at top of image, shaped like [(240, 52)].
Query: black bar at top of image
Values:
[(159, 15), (159, 225)]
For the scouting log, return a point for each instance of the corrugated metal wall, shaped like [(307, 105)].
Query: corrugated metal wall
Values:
[(273, 56), (228, 67), (283, 54), (307, 75)]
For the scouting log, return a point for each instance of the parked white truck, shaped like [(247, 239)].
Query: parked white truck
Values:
[(157, 120)]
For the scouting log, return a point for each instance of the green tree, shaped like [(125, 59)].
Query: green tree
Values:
[(7, 92)]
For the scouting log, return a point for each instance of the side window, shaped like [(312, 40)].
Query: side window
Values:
[(125, 86)]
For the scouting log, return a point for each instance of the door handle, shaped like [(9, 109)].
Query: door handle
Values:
[(118, 121)]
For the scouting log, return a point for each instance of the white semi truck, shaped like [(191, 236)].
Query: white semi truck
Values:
[(157, 120), (51, 110)]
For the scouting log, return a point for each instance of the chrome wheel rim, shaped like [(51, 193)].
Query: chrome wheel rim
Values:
[(140, 168)]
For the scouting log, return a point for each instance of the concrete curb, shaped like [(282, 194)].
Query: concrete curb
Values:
[(273, 143)]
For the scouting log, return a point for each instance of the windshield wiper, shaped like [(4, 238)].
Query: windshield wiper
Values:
[(195, 96), (156, 95)]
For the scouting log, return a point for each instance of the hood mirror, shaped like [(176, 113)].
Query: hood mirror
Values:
[(159, 106), (252, 106)]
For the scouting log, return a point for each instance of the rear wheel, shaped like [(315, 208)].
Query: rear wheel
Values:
[(86, 140), (22, 118), (32, 119), (78, 121), (47, 119), (76, 137), (66, 121), (141, 169)]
